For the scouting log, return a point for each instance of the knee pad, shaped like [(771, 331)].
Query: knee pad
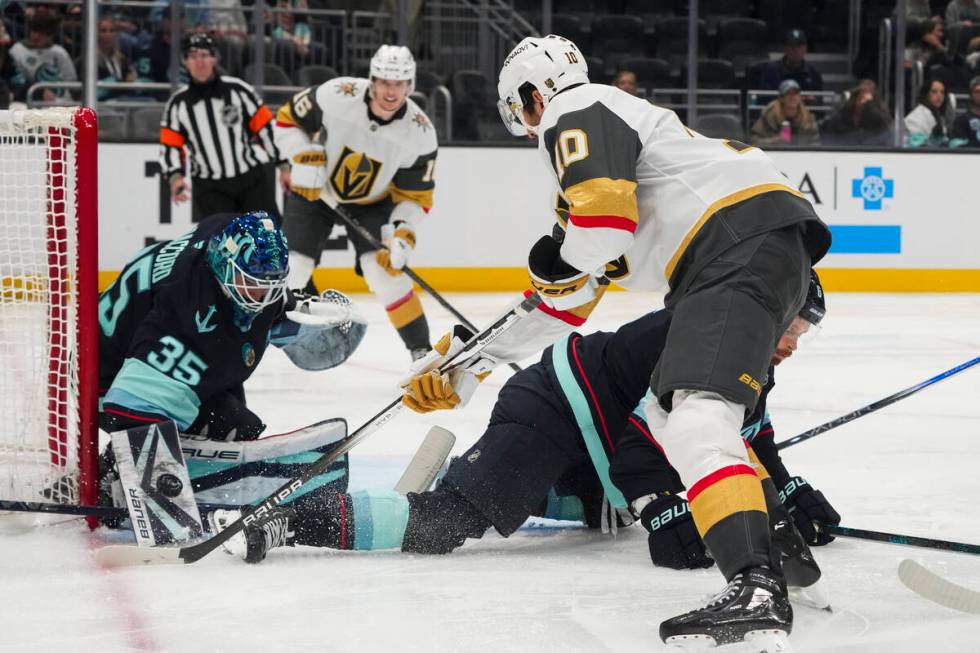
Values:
[(300, 269), (703, 434), (388, 288)]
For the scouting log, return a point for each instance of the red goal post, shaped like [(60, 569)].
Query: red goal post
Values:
[(49, 305)]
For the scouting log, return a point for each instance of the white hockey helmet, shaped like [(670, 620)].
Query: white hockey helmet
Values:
[(549, 64), (394, 62)]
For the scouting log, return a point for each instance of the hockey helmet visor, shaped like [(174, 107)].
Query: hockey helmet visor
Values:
[(251, 261)]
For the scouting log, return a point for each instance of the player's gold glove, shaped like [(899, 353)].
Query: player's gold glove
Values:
[(427, 389), (309, 172), (399, 242)]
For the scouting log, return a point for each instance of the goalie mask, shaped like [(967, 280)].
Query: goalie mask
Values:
[(250, 259), (394, 62), (548, 65)]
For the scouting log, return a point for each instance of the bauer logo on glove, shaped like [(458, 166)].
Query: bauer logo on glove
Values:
[(399, 241), (309, 172)]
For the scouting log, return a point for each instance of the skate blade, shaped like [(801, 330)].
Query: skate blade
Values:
[(814, 596), (755, 641)]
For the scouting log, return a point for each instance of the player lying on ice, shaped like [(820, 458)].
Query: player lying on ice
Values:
[(652, 205), (188, 320), (566, 440)]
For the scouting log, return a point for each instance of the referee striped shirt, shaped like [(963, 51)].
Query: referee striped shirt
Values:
[(221, 128)]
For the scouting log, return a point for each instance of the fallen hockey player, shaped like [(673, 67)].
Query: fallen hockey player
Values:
[(566, 440)]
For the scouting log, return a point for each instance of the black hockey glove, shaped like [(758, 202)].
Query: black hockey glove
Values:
[(808, 506), (674, 540)]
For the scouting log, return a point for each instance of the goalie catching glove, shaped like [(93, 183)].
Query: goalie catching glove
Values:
[(309, 172), (427, 389), (321, 332), (399, 240)]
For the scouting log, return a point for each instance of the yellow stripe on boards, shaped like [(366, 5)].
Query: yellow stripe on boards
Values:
[(515, 279)]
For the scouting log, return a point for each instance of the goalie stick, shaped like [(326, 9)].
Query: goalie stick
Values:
[(427, 461), (938, 590), (122, 555), (870, 408), (409, 272)]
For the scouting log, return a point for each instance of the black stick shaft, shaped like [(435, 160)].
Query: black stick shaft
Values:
[(197, 551), (870, 408), (108, 512), (368, 236), (907, 540)]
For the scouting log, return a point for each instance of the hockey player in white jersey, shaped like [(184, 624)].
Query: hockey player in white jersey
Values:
[(646, 202), (369, 148)]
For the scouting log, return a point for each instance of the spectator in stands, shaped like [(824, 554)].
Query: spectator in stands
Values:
[(625, 80), (862, 119), (973, 54), (291, 23), (966, 127), (113, 64), (793, 65), (928, 123), (228, 20), (926, 43), (39, 59), (12, 82), (152, 64), (963, 11), (918, 11), (786, 120)]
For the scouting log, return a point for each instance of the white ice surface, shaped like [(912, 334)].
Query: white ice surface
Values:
[(911, 468)]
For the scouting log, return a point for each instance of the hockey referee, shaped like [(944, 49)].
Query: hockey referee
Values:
[(219, 126)]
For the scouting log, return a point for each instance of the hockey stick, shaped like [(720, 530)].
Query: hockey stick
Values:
[(939, 590), (427, 462), (122, 555), (103, 512), (895, 538), (870, 408), (409, 272)]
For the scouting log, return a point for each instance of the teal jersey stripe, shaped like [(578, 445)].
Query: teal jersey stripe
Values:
[(583, 417), (141, 387), (380, 519)]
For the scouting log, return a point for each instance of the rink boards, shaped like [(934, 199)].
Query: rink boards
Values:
[(901, 221)]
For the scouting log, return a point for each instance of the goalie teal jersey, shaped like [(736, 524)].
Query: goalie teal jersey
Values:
[(170, 338)]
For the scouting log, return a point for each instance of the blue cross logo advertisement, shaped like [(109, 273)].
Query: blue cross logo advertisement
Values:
[(873, 188)]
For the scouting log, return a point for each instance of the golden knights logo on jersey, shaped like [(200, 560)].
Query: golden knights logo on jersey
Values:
[(354, 175)]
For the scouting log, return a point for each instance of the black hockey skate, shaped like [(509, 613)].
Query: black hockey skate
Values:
[(752, 607), (800, 569), (256, 539)]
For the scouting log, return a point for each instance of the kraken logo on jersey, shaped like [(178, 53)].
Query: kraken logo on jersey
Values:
[(354, 175)]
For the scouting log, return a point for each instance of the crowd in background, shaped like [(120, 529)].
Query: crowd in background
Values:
[(42, 43)]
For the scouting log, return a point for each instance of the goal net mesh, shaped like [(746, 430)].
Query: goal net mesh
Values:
[(39, 431)]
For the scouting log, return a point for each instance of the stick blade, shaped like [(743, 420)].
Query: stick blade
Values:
[(420, 473), (938, 590), (121, 555)]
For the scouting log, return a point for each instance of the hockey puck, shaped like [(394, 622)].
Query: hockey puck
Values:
[(169, 485)]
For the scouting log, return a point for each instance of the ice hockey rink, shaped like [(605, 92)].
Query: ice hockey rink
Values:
[(909, 468)]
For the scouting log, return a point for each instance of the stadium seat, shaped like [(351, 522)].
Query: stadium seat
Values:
[(474, 105), (145, 124), (112, 125), (584, 9), (955, 77), (672, 40), (426, 81), (742, 41), (782, 15), (712, 74), (721, 125), (315, 75), (231, 54), (958, 37), (273, 75), (650, 73), (420, 99), (597, 70), (754, 74), (570, 27), (615, 38)]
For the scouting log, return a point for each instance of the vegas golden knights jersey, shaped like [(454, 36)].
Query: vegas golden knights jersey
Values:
[(367, 159), (636, 185)]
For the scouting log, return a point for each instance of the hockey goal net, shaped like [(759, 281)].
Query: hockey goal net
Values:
[(48, 306)]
